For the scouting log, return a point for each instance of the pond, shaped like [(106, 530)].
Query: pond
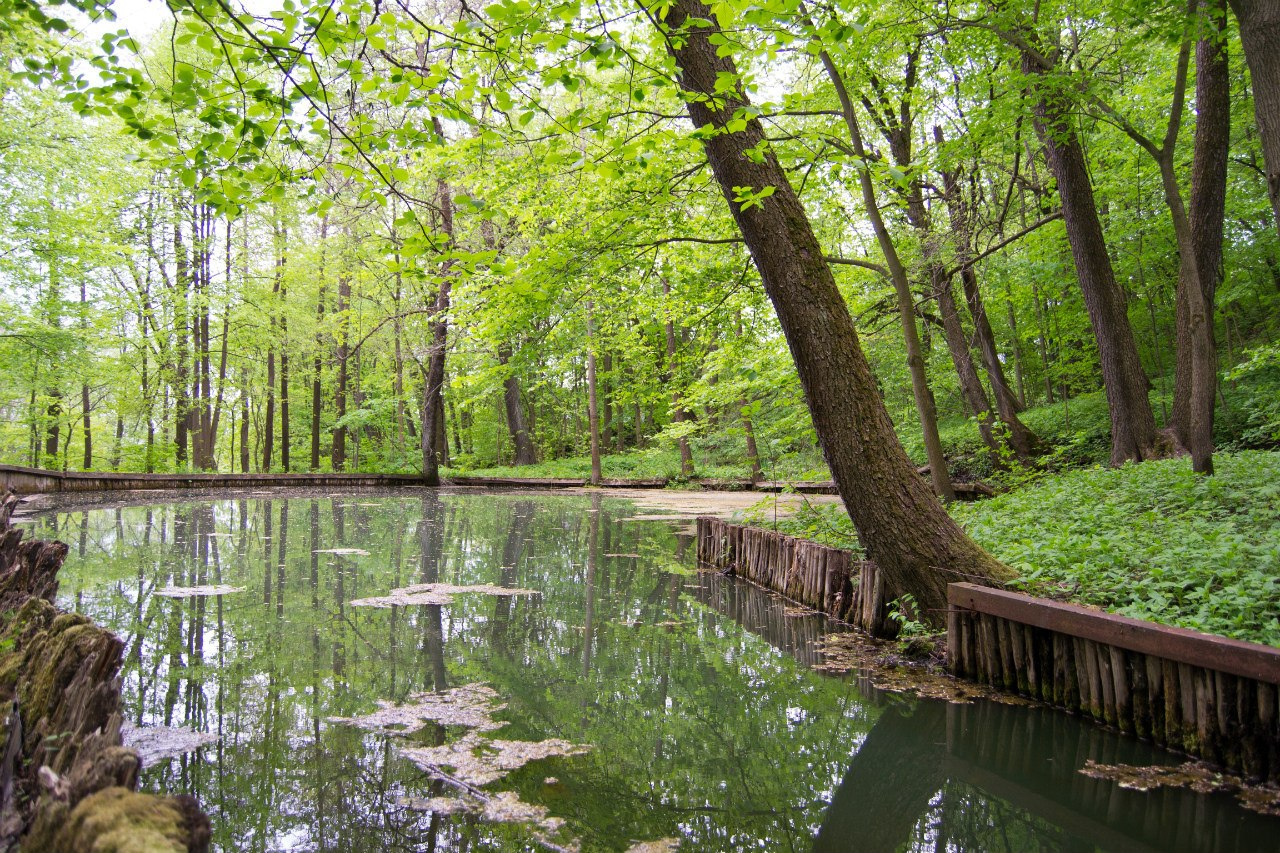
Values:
[(680, 706)]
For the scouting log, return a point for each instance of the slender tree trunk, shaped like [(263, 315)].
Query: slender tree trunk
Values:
[(678, 413), (1133, 427), (1260, 38), (85, 404), (117, 446), (433, 413), (222, 385), (182, 416), (244, 420), (593, 409), (1021, 440), (204, 414), (925, 406), (753, 452), (903, 527), (606, 429), (317, 364), (339, 458), (281, 261), (525, 453)]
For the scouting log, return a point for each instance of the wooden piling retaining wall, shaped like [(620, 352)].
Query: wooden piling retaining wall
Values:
[(827, 579), (1209, 697)]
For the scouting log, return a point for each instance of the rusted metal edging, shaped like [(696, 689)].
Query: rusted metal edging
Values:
[(1251, 660)]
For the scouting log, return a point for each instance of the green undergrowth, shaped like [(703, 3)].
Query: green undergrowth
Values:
[(1154, 541)]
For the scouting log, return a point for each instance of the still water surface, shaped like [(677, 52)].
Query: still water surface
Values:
[(695, 693)]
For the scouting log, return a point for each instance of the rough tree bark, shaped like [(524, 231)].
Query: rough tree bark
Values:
[(1133, 426), (1195, 372), (1260, 38), (917, 546)]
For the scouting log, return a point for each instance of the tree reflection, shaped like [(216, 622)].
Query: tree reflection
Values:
[(693, 690)]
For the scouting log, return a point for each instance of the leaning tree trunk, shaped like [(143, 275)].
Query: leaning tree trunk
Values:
[(926, 408), (905, 530), (1022, 440), (1260, 38), (1133, 426)]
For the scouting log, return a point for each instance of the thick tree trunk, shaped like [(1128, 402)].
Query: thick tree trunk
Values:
[(926, 409), (917, 546), (1133, 427), (1260, 38), (1195, 374)]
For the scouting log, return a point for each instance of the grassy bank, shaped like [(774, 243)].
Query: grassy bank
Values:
[(1154, 541)]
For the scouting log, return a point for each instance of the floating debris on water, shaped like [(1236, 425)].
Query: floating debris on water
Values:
[(799, 611), (470, 705), (160, 743), (437, 805), (436, 593), (478, 761), (196, 591), (1194, 775), (622, 555), (884, 665), (507, 807), (661, 845), (343, 552)]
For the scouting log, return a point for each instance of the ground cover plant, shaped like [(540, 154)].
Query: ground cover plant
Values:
[(1153, 541)]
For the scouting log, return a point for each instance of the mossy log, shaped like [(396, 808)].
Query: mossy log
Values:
[(66, 782)]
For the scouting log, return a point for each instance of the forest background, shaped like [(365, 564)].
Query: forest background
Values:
[(305, 238)]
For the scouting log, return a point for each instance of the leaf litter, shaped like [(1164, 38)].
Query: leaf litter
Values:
[(886, 666), (1194, 775), (436, 593)]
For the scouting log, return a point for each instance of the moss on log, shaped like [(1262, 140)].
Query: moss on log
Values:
[(66, 782)]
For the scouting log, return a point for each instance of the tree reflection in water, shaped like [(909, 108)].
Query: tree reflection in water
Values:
[(706, 722)]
